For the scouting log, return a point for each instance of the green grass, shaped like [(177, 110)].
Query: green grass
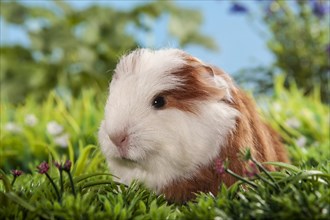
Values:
[(303, 188), (27, 145)]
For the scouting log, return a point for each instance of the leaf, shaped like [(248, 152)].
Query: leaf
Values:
[(71, 153), (12, 196), (5, 181), (142, 207), (86, 176), (284, 165), (97, 182), (107, 205), (307, 175), (117, 209), (81, 162)]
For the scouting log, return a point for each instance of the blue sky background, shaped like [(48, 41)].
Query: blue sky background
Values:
[(242, 42)]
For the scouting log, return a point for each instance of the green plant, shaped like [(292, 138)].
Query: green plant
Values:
[(61, 126), (98, 196), (298, 37), (298, 191), (303, 122), (304, 195)]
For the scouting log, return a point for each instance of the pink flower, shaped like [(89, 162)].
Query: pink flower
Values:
[(43, 167), (219, 167), (251, 170)]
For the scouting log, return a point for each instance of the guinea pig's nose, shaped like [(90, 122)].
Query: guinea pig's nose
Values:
[(119, 139)]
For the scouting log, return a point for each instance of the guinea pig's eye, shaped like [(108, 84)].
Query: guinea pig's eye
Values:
[(158, 102)]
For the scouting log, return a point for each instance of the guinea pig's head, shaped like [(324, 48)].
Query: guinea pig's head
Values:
[(167, 114)]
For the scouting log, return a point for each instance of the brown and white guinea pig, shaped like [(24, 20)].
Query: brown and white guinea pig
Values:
[(169, 117)]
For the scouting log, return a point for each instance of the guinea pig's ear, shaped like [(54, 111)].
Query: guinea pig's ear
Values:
[(216, 78)]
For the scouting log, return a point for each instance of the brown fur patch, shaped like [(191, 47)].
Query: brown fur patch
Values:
[(195, 88), (251, 132)]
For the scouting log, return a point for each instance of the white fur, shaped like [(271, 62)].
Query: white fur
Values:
[(221, 83), (165, 144)]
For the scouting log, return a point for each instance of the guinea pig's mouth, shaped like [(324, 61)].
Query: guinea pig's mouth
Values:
[(125, 160), (128, 160)]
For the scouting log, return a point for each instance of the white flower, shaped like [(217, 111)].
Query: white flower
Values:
[(12, 127), (54, 128), (301, 142), (277, 107), (293, 122), (31, 120), (62, 140)]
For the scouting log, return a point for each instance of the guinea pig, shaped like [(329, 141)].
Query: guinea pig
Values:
[(170, 117)]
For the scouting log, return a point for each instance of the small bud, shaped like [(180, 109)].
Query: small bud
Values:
[(219, 167), (246, 154), (43, 167), (17, 173), (251, 170), (67, 165), (58, 165)]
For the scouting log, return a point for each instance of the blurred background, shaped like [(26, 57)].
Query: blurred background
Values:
[(57, 59), (68, 46)]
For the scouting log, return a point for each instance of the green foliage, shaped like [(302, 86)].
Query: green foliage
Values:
[(300, 43), (23, 142), (303, 122), (303, 195), (72, 49), (303, 192), (99, 197)]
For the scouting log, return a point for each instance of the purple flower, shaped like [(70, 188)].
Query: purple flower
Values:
[(16, 173), (251, 170), (43, 167), (320, 9), (238, 8), (67, 165), (58, 165), (219, 167)]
